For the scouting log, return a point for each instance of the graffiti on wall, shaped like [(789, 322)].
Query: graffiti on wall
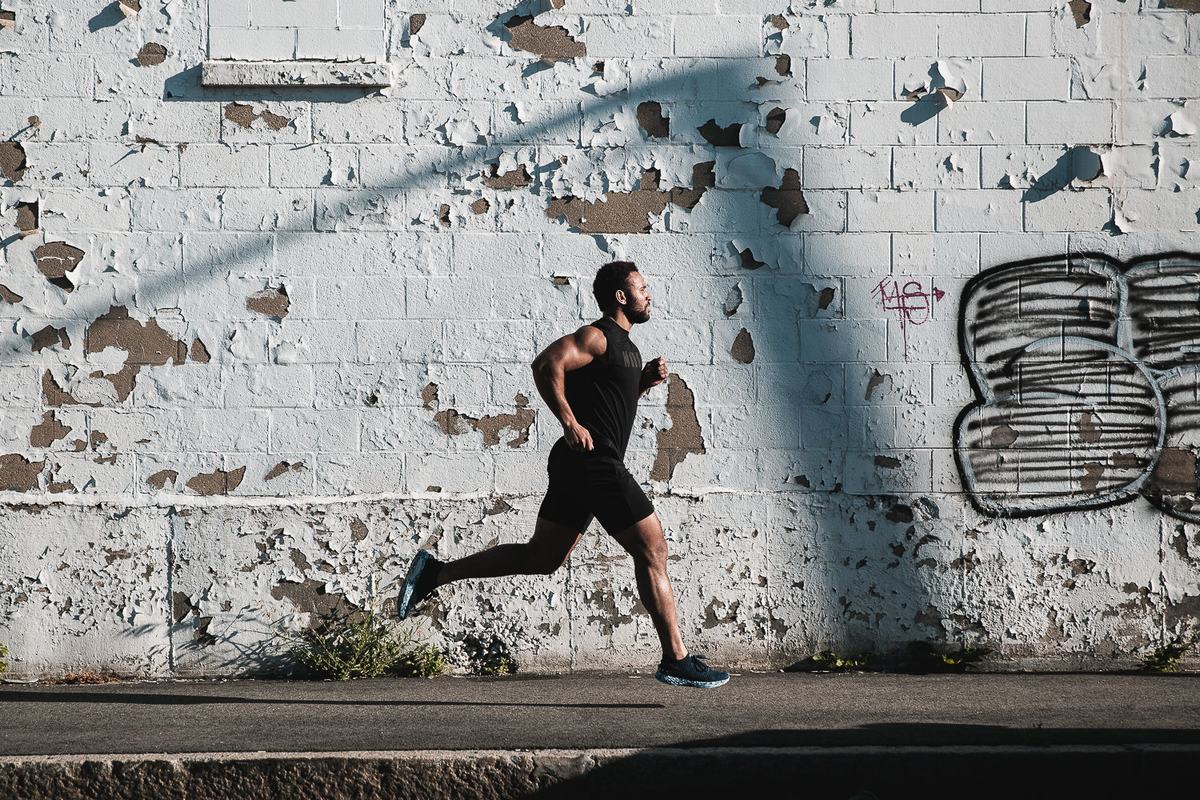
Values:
[(909, 301), (1086, 372)]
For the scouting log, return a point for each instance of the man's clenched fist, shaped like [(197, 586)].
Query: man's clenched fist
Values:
[(654, 373)]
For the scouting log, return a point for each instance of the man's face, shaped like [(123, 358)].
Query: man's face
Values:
[(637, 298)]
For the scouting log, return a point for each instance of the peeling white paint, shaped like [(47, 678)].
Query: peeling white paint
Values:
[(826, 509)]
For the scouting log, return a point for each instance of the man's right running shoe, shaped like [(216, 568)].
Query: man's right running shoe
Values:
[(419, 583), (691, 671)]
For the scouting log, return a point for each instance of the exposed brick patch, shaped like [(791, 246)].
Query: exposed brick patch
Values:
[(631, 212), (270, 302), (48, 431), (651, 119), (551, 42), (12, 161), (788, 200), (151, 55), (684, 436), (55, 260)]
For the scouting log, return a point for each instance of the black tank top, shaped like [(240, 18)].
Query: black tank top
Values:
[(603, 394)]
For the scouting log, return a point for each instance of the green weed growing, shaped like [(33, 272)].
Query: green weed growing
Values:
[(360, 644), (1165, 657), (422, 661), (829, 661), (965, 657), (924, 657)]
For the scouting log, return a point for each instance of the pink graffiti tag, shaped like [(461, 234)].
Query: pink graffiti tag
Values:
[(912, 304)]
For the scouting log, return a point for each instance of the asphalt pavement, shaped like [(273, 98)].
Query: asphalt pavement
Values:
[(590, 711)]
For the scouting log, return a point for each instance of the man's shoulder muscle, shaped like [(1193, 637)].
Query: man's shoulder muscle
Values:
[(592, 339)]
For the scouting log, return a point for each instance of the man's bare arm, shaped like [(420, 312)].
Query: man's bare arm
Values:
[(569, 353), (549, 370)]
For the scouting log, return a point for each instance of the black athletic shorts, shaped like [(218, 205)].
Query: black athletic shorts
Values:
[(584, 485)]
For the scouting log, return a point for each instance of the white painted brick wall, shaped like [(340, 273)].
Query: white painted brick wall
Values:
[(719, 36), (1029, 78), (418, 290), (979, 36), (252, 44), (849, 79), (282, 30), (1081, 122), (847, 167), (293, 13), (229, 13), (222, 165), (893, 35), (360, 14), (347, 44), (891, 211), (984, 210), (632, 37)]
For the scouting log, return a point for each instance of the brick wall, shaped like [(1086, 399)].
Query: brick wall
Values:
[(257, 345), (280, 30)]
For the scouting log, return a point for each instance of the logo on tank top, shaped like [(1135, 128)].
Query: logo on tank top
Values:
[(628, 359)]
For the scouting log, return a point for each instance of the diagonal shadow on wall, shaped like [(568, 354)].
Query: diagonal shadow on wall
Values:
[(829, 553)]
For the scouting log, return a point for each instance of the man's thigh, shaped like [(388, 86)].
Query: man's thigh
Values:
[(619, 501), (643, 539), (566, 503)]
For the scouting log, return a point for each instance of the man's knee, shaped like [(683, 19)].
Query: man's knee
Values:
[(645, 542), (656, 554), (541, 562), (545, 566), (550, 546)]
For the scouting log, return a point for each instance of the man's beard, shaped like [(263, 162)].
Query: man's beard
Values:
[(639, 316)]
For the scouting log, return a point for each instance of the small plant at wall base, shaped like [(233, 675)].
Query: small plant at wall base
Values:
[(3, 656), (964, 658), (829, 661), (362, 645), (1165, 657), (422, 661), (84, 677), (925, 657)]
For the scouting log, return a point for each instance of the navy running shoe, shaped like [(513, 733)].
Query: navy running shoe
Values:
[(691, 671), (419, 583)]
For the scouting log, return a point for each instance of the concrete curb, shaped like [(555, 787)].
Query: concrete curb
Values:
[(852, 772)]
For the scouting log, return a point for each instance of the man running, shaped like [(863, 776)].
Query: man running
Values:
[(591, 379)]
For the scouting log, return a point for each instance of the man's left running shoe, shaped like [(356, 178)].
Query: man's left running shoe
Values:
[(691, 671), (419, 583)]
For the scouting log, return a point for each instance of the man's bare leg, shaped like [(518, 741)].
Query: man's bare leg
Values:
[(644, 541), (545, 552)]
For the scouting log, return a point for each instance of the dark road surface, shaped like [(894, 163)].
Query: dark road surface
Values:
[(599, 711)]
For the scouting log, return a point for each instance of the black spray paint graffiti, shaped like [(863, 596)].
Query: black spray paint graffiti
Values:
[(1087, 372)]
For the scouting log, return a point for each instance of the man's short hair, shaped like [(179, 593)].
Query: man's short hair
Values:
[(609, 278)]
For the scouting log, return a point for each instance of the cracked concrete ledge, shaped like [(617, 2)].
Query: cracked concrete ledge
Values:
[(1108, 770), (201, 589), (294, 73)]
